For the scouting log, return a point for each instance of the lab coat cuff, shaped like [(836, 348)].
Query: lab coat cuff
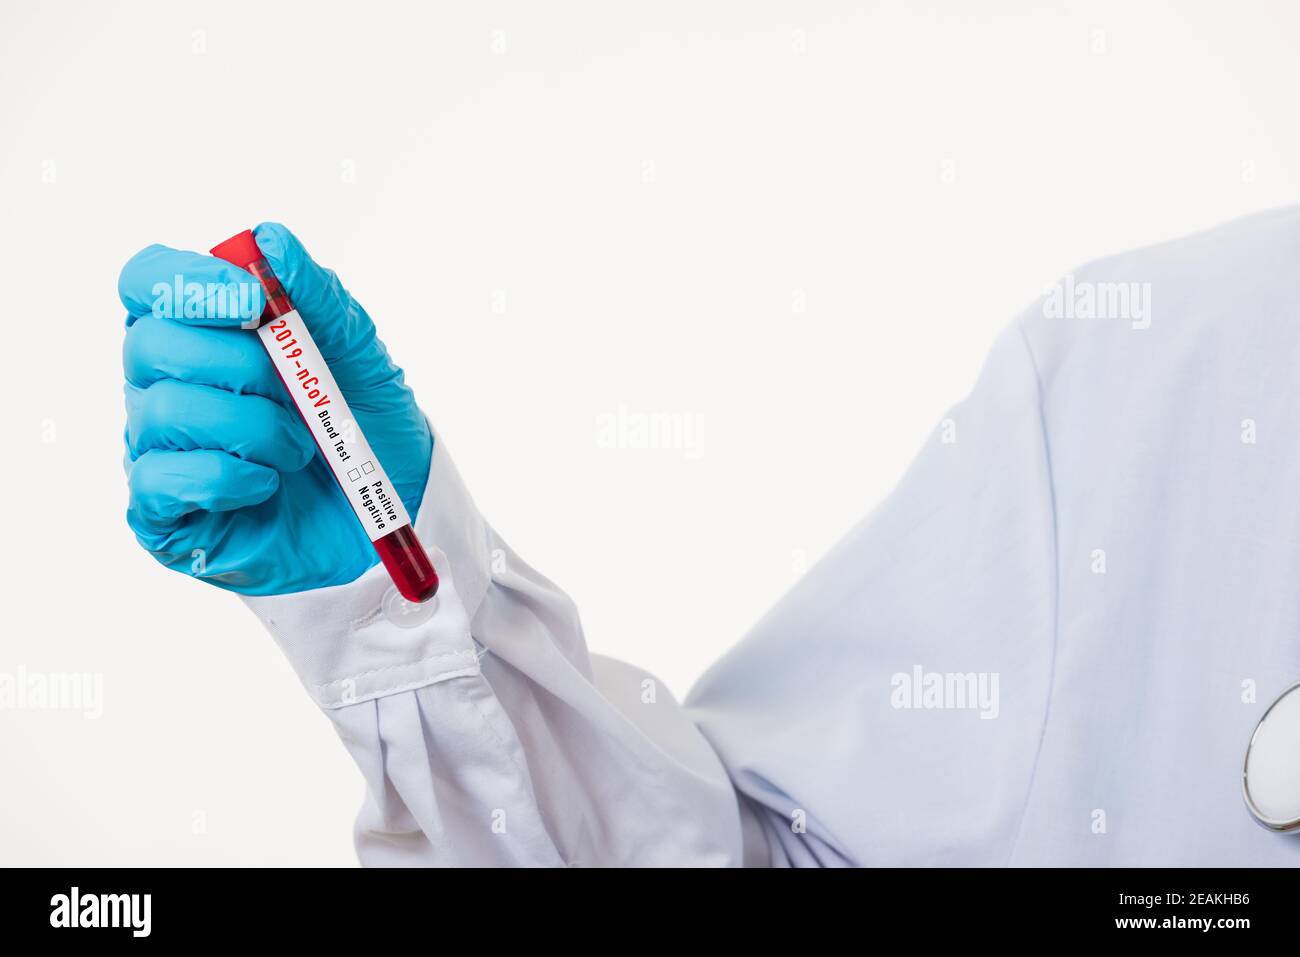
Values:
[(356, 642)]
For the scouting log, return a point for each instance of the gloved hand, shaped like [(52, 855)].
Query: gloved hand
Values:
[(226, 483)]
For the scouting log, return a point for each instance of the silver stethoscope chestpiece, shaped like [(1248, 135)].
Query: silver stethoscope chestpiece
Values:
[(1270, 777)]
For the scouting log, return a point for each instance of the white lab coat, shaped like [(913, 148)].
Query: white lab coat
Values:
[(1103, 540)]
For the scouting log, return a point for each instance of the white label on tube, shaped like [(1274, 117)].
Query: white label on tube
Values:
[(364, 482)]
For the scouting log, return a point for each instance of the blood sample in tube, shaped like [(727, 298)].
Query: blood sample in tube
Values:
[(320, 402)]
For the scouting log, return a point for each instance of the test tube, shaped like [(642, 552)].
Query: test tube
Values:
[(320, 402)]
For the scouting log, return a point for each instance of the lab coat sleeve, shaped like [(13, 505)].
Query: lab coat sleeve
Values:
[(889, 710), (484, 731)]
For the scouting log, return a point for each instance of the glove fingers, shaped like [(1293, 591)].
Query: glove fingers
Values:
[(188, 287), (181, 416), (167, 486), (230, 359)]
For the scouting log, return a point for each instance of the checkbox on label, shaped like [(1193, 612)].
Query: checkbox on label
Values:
[(367, 467), (354, 474)]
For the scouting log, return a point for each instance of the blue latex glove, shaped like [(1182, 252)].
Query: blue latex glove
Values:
[(226, 483)]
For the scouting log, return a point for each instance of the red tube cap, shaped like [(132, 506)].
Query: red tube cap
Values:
[(240, 249)]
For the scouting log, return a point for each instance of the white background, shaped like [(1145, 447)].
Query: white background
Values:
[(796, 226)]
